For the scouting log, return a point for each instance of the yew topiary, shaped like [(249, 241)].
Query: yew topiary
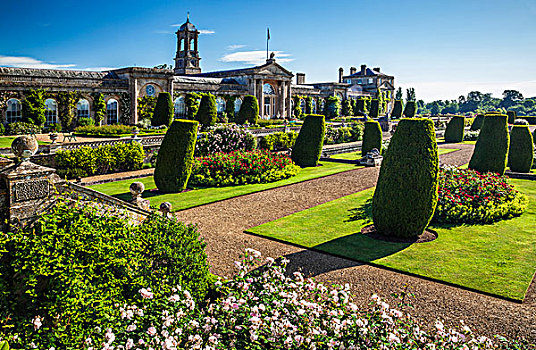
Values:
[(512, 116), (521, 152), (406, 194), (308, 146), (455, 129), (397, 109), (249, 111), (410, 109), (491, 149), (175, 157), (163, 110), (374, 108), (372, 137), (477, 123), (207, 114)]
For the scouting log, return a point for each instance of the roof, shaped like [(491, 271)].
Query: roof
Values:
[(188, 26), (368, 72), (242, 71), (57, 73), (203, 80)]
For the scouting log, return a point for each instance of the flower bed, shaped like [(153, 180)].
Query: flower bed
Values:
[(466, 196), (224, 139), (240, 168)]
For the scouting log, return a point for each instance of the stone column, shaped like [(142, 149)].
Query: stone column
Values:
[(260, 98), (289, 96)]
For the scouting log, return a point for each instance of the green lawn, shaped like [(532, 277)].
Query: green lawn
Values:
[(357, 155), (441, 140), (5, 141), (201, 196), (499, 259)]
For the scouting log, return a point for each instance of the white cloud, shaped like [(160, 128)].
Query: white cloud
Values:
[(175, 25), (234, 47), (29, 62), (255, 57), (206, 31)]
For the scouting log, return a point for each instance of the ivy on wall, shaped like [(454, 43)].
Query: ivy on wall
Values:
[(230, 106), (99, 107), (125, 102), (67, 101), (33, 107), (297, 111), (192, 101), (146, 107), (308, 105)]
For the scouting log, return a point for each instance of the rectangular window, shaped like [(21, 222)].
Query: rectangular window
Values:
[(370, 80)]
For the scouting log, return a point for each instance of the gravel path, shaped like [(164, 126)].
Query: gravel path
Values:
[(222, 224)]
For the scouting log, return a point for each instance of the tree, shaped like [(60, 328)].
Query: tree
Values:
[(249, 110), (163, 110), (399, 95), (410, 95), (99, 107), (510, 98), (33, 107), (207, 114), (67, 102), (230, 107)]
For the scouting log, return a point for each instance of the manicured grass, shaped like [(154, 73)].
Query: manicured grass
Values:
[(357, 155), (5, 141), (441, 140), (201, 196), (499, 258)]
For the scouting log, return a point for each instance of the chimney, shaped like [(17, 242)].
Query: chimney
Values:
[(353, 70), (377, 69), (300, 78), (363, 69), (341, 73)]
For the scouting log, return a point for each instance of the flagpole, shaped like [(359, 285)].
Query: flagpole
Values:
[(267, 39)]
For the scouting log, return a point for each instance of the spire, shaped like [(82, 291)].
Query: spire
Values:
[(188, 17)]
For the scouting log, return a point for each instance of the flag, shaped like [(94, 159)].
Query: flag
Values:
[(268, 36)]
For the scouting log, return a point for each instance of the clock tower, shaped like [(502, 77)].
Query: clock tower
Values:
[(187, 58)]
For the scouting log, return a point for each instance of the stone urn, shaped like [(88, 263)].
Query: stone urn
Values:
[(23, 147), (53, 137)]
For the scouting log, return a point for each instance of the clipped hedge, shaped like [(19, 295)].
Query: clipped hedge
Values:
[(512, 116), (477, 123), (22, 128), (372, 137), (163, 110), (207, 114), (308, 146), (406, 194), (410, 109), (455, 129), (521, 151), (491, 149), (249, 111), (103, 130), (175, 157), (374, 108), (397, 109), (278, 141)]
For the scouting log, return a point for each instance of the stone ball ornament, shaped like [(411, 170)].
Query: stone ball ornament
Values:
[(137, 188), (165, 207), (24, 147)]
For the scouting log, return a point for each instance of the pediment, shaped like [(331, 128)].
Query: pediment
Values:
[(272, 68), (387, 86)]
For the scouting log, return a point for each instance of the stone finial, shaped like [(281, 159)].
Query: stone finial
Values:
[(136, 189), (24, 147), (165, 208)]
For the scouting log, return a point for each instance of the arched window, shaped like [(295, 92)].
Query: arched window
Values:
[(192, 47), (268, 89), (112, 112), (339, 95), (51, 111), (314, 106), (82, 109), (302, 105), (237, 104), (220, 105), (180, 107), (14, 111)]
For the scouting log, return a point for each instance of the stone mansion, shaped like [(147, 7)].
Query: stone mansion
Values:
[(271, 83)]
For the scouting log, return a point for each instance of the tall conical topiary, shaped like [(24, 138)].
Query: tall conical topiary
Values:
[(410, 109), (491, 149), (512, 116), (308, 146), (249, 111), (374, 108), (455, 129), (406, 194), (175, 157), (163, 110), (521, 152), (397, 109), (477, 123), (207, 114), (372, 137)]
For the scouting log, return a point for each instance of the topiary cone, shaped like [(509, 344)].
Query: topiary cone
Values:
[(521, 151), (477, 123), (308, 146), (397, 109), (163, 110), (207, 114), (410, 109), (175, 157), (455, 129), (406, 194), (372, 137), (249, 110), (491, 149)]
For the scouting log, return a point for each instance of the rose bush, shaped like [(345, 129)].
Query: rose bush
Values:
[(224, 139), (240, 168)]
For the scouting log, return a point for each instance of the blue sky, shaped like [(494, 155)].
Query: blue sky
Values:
[(442, 48)]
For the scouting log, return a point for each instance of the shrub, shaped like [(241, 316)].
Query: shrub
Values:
[(103, 130), (361, 109), (241, 168), (297, 110), (455, 129), (468, 197), (263, 123), (491, 148), (145, 108), (372, 137), (68, 271), (374, 108), (87, 161), (410, 109), (512, 116), (99, 108), (278, 141), (33, 107), (249, 111), (224, 139), (163, 110), (2, 132), (397, 109), (175, 157), (336, 135), (521, 150), (477, 123), (471, 135), (347, 109), (406, 194), (332, 107), (85, 122), (21, 128), (207, 113), (308, 146), (521, 122)]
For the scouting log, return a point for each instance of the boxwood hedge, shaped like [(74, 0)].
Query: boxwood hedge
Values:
[(477, 123), (491, 149), (521, 151), (372, 137), (455, 129), (308, 146)]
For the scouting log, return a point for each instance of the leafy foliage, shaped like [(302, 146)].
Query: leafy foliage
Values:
[(224, 139), (402, 207), (397, 109), (278, 141), (85, 122), (33, 107), (372, 137), (163, 110), (21, 128), (521, 150), (308, 145), (491, 149), (66, 103), (146, 105), (99, 107), (207, 113), (104, 130), (296, 110), (249, 111), (477, 122), (410, 109), (175, 157), (192, 101), (374, 108), (512, 116), (347, 109), (309, 105), (343, 134), (332, 107), (455, 129)]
